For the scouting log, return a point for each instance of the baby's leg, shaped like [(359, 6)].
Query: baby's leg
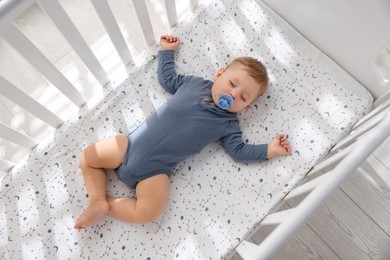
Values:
[(151, 195), (105, 154)]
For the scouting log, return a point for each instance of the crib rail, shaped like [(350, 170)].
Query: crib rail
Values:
[(343, 160), (14, 36)]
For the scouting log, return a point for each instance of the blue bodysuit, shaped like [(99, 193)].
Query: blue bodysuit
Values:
[(183, 126)]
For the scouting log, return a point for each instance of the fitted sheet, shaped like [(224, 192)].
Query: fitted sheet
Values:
[(214, 202)]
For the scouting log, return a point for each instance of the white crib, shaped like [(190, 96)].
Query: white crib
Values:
[(90, 119)]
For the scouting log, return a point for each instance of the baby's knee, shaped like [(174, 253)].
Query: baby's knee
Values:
[(83, 161)]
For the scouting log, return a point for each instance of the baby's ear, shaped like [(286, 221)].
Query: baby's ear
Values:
[(219, 73)]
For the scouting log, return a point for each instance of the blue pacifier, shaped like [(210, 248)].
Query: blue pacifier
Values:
[(225, 101)]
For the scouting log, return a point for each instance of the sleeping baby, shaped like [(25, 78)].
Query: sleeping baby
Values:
[(199, 112)]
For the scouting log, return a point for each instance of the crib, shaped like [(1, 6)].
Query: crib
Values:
[(215, 204)]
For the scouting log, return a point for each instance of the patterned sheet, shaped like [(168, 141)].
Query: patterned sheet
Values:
[(214, 202)]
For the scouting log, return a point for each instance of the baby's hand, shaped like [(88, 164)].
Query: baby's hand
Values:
[(278, 146), (169, 42)]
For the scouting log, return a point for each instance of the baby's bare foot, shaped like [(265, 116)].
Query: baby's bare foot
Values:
[(92, 214)]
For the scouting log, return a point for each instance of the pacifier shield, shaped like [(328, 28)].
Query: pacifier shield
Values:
[(225, 101)]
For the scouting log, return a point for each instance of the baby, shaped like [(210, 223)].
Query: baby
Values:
[(199, 112)]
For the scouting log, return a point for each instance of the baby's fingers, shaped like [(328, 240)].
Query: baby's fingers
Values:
[(170, 38), (284, 142), (286, 146)]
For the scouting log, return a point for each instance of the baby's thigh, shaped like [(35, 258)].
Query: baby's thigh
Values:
[(108, 153), (152, 193)]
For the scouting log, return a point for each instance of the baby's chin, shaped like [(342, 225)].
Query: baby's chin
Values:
[(232, 110)]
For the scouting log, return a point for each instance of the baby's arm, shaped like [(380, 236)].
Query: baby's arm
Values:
[(278, 146), (240, 151), (166, 72)]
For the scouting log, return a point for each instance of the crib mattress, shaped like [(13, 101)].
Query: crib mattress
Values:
[(214, 202)]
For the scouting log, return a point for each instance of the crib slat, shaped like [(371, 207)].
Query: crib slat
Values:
[(20, 98), (245, 249), (335, 157), (380, 171), (277, 217), (306, 187), (11, 9), (362, 129), (106, 16), (381, 99), (73, 36), (16, 137), (170, 6), (144, 19), (194, 4), (385, 104), (32, 54), (5, 166)]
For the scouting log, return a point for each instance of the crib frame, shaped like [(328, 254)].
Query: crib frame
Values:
[(343, 160)]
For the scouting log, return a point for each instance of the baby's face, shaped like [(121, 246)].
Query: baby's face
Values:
[(236, 82)]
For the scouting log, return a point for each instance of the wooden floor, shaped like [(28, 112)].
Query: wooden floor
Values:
[(353, 224)]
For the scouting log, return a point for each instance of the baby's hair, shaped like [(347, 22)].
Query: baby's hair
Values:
[(256, 70)]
